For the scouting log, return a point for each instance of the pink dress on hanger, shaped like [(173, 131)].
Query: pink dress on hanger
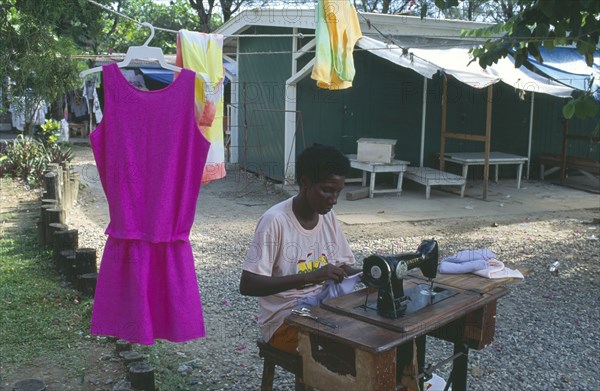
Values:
[(150, 157)]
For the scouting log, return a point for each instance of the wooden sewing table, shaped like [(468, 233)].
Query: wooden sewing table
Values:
[(369, 341)]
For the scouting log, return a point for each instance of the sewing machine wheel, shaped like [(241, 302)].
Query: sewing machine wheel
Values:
[(377, 271), (401, 270)]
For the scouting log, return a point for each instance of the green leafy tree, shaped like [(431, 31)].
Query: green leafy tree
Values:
[(543, 23), (35, 55), (474, 10), (118, 33)]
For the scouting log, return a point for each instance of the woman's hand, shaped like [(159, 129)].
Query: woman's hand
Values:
[(327, 272)]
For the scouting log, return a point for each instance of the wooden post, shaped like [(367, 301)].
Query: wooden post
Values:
[(53, 215), (121, 345), (130, 356), (488, 141), (51, 185), (74, 188), (86, 283), (66, 262), (58, 195), (49, 201), (61, 194), (141, 376), (46, 204), (64, 240), (443, 132), (86, 260), (29, 385), (52, 228), (67, 186), (563, 158)]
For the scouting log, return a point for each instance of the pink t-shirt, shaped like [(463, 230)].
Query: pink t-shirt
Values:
[(282, 247)]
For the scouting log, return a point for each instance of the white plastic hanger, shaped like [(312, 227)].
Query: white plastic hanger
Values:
[(139, 52)]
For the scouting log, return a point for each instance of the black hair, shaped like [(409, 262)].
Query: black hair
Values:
[(318, 162)]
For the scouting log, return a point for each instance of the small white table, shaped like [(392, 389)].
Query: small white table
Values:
[(396, 167), (467, 159)]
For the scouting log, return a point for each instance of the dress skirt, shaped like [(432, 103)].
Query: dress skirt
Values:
[(147, 290)]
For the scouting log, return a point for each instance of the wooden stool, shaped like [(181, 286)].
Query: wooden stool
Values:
[(272, 357)]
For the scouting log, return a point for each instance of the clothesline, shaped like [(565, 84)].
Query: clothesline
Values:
[(299, 35), (87, 56)]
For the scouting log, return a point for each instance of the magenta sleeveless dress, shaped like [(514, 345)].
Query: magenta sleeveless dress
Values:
[(150, 157)]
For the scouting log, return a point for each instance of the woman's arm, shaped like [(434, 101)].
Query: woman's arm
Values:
[(252, 284)]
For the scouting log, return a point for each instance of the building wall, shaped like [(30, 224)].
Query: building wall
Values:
[(261, 100), (384, 102)]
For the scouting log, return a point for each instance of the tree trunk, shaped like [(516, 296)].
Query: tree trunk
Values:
[(204, 13)]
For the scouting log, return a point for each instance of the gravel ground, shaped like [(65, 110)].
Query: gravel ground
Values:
[(547, 334)]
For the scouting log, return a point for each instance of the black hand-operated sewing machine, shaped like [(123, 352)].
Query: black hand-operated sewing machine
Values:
[(387, 274)]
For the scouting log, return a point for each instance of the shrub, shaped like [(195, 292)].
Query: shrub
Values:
[(49, 132), (27, 158)]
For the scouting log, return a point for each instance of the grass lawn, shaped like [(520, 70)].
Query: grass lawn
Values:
[(45, 324), (40, 316)]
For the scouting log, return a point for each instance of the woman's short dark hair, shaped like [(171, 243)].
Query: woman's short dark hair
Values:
[(318, 162)]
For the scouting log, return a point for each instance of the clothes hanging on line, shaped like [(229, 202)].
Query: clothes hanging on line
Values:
[(203, 53), (37, 114), (337, 31), (77, 103), (90, 93), (64, 131), (150, 158)]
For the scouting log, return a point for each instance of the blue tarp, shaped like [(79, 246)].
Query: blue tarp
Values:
[(165, 76), (161, 75), (568, 66)]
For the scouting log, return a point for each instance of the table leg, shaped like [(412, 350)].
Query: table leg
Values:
[(421, 358), (465, 171), (519, 173), (372, 185), (496, 172), (364, 178), (399, 185), (458, 376)]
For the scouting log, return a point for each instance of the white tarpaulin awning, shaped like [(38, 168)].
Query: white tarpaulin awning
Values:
[(455, 62), (395, 54)]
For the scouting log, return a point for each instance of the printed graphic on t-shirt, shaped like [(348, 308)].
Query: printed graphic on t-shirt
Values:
[(310, 264)]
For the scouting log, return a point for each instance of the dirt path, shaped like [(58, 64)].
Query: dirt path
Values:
[(226, 216)]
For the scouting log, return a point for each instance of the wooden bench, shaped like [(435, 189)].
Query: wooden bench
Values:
[(289, 362), (586, 166), (432, 177)]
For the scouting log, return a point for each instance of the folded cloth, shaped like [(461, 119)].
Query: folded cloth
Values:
[(482, 262), (496, 269), (466, 261), (462, 267), (470, 255), (330, 290)]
